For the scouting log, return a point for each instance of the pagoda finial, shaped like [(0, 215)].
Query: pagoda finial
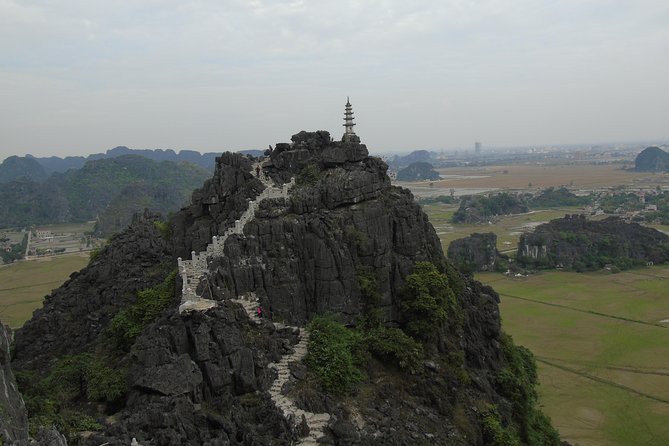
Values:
[(349, 134)]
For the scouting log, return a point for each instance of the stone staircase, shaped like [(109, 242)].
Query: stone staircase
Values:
[(192, 270), (316, 422)]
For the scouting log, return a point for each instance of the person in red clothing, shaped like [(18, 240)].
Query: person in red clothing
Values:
[(259, 312)]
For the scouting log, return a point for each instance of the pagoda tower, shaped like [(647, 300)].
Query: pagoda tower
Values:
[(349, 134)]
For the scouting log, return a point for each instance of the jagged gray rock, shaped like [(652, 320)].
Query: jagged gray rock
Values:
[(13, 416), (74, 314), (204, 377)]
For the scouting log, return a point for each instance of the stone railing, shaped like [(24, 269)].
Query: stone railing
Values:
[(192, 270)]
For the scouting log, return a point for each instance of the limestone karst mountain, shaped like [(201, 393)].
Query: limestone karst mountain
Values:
[(652, 159), (132, 347), (574, 242)]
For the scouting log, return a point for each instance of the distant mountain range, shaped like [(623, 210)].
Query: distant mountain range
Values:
[(16, 167), (56, 164), (110, 189)]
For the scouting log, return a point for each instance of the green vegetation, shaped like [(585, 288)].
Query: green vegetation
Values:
[(98, 375), (94, 253), (16, 253), (308, 176), (51, 400), (610, 203), (481, 208), (21, 293), (517, 381), (164, 228), (560, 197), (427, 301), (335, 355), (602, 356), (129, 323), (438, 199), (94, 190), (495, 433), (418, 171)]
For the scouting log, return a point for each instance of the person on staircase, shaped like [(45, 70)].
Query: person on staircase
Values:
[(257, 171), (259, 312)]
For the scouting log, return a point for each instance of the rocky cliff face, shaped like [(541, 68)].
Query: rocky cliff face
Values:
[(205, 377), (75, 314), (477, 252), (573, 242), (13, 416)]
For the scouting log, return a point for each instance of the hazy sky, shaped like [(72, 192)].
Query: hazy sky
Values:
[(83, 76)]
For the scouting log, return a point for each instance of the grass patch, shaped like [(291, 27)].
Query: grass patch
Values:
[(24, 285), (129, 323), (628, 354), (335, 355)]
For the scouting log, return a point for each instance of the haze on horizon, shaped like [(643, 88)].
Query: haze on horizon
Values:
[(79, 77)]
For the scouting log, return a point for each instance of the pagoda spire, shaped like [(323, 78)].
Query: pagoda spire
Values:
[(349, 134)]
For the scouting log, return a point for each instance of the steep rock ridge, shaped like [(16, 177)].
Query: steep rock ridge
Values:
[(206, 377), (192, 271), (574, 242), (13, 416), (199, 378), (301, 255), (75, 314)]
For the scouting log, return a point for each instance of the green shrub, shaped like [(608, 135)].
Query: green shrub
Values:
[(49, 399), (427, 301), (308, 176), (517, 381), (393, 345), (105, 383), (129, 323), (164, 228), (334, 355), (495, 434), (94, 253)]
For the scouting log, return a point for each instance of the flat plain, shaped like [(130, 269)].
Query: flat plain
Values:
[(602, 351), (24, 284), (601, 348)]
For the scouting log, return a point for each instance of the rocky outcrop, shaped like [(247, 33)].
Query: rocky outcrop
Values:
[(76, 313), (477, 252), (652, 159), (573, 242), (217, 375), (484, 209), (13, 416), (418, 172)]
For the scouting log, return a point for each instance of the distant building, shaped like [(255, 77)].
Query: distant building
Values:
[(43, 234), (477, 148)]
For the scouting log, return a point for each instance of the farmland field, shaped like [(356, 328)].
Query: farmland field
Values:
[(508, 227), (23, 285), (601, 348)]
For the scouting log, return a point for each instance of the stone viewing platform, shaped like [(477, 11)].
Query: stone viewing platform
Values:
[(192, 270)]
